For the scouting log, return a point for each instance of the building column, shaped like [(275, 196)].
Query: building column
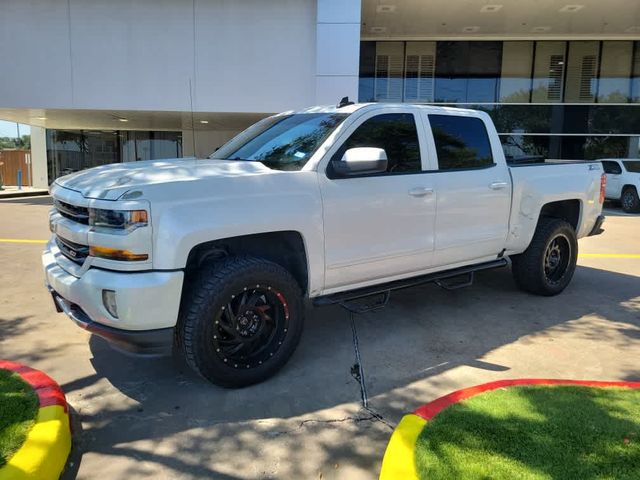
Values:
[(337, 50), (39, 171)]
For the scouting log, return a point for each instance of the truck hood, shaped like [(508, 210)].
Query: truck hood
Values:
[(110, 182)]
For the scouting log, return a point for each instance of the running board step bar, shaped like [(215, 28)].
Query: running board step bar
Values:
[(449, 284), (384, 289)]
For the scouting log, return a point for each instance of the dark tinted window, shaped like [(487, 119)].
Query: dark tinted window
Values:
[(632, 166), (611, 167), (283, 142), (394, 132), (461, 142)]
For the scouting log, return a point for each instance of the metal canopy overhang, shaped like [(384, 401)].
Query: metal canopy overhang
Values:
[(500, 19)]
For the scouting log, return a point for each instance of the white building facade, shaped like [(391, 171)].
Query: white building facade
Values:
[(126, 80)]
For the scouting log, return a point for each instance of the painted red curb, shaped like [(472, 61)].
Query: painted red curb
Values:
[(431, 409), (48, 391)]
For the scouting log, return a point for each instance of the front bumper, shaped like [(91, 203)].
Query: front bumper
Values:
[(597, 227), (138, 342), (148, 304)]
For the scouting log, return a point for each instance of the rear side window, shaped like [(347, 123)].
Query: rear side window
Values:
[(612, 167), (396, 133), (461, 142)]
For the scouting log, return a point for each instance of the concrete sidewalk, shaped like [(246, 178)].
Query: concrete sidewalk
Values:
[(9, 191), (154, 419)]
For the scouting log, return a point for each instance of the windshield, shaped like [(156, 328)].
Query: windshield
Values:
[(632, 166), (283, 142)]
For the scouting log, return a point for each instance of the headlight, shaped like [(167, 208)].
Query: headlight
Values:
[(118, 219)]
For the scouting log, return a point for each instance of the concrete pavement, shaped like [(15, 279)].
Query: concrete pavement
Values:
[(154, 419)]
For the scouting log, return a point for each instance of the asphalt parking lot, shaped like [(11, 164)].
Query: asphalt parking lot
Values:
[(137, 418)]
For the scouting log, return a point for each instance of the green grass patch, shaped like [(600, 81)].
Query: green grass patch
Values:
[(536, 432), (18, 409)]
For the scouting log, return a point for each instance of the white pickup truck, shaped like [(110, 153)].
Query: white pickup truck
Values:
[(215, 258), (623, 182)]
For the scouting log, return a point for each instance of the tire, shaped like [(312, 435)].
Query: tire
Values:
[(240, 302), (546, 268), (630, 201)]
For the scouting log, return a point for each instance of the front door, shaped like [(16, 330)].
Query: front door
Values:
[(379, 226)]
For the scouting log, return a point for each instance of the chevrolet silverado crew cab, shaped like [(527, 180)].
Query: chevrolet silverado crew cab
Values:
[(623, 182), (216, 258)]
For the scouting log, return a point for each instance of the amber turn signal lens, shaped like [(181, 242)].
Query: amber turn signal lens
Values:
[(603, 187), (116, 254), (139, 216)]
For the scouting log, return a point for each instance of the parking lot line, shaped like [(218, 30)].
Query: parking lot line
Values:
[(21, 240), (609, 255)]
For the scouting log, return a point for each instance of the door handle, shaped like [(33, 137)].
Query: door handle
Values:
[(420, 191), (498, 185)]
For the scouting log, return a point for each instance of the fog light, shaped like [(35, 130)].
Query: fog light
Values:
[(109, 302)]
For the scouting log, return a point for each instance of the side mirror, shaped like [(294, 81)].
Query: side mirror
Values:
[(359, 161)]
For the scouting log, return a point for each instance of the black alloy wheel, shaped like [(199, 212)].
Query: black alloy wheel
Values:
[(251, 326)]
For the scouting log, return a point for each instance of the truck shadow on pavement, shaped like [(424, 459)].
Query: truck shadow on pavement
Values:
[(158, 412)]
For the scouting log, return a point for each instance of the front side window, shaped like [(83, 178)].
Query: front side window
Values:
[(396, 133), (461, 142), (283, 142), (611, 167), (632, 166)]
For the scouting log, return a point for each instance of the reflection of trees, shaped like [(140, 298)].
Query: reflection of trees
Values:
[(509, 117), (605, 147), (398, 137), (283, 157), (454, 153), (614, 118), (521, 146)]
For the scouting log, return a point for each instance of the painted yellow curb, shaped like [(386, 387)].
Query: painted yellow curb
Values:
[(43, 455), (21, 240), (399, 459), (45, 450)]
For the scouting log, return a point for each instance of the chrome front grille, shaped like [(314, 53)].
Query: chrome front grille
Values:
[(72, 212), (73, 251)]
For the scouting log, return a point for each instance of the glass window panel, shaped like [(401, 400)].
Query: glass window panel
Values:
[(420, 61), (461, 142), (128, 145), (389, 72), (635, 87), (483, 71), (65, 152), (548, 72), (515, 79), (467, 71), (367, 71), (451, 71), (564, 147), (101, 148), (166, 145), (611, 167), (632, 166), (615, 72), (282, 142), (588, 119), (525, 148), (582, 72), (396, 133)]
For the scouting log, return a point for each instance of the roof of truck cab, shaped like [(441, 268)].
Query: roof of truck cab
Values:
[(372, 106)]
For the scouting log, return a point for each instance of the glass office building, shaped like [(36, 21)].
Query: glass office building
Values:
[(554, 99), (70, 151)]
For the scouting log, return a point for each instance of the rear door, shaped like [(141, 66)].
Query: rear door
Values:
[(473, 188), (379, 226)]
